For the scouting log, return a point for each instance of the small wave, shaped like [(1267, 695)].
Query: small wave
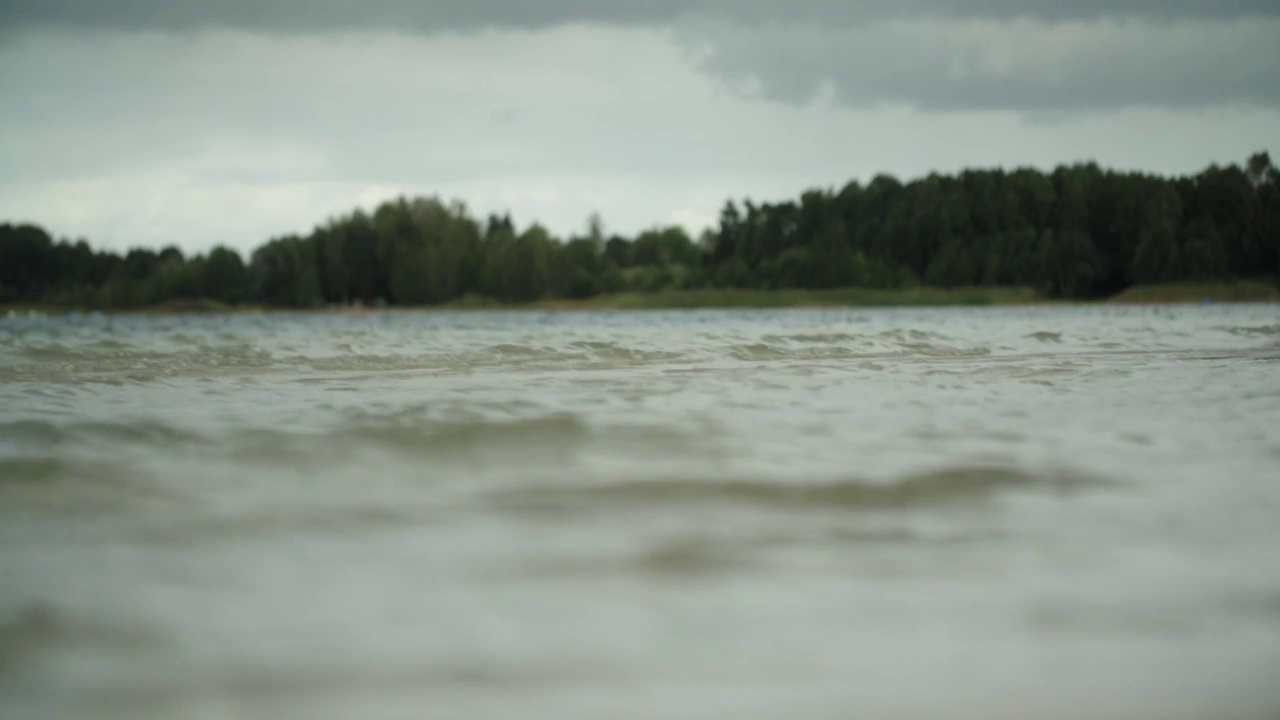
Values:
[(686, 557), (912, 537), (840, 346), (815, 338), (699, 556), (39, 627), (55, 351), (585, 355), (60, 362), (911, 335), (185, 355), (55, 484), (765, 352), (434, 442), (1254, 330), (141, 432), (110, 344), (474, 436), (942, 487), (612, 351), (88, 466), (941, 351), (354, 516), (759, 351), (1045, 336), (348, 363), (520, 351)]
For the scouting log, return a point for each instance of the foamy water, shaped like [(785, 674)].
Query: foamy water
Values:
[(964, 513)]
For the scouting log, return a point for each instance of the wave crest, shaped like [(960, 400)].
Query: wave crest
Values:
[(939, 487)]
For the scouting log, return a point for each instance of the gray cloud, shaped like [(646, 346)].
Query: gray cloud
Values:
[(448, 15), (1028, 55), (1018, 65)]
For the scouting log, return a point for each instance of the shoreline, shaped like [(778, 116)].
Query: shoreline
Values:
[(921, 297)]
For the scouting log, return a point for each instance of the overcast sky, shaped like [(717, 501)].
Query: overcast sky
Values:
[(195, 122)]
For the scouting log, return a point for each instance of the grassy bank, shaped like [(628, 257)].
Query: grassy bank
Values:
[(1238, 291), (667, 300), (192, 306), (1181, 293)]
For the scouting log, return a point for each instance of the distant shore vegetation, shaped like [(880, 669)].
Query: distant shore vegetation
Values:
[(982, 236)]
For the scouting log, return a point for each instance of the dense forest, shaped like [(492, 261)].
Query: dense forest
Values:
[(1077, 232)]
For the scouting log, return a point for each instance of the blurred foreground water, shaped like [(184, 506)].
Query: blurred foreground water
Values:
[(1050, 513)]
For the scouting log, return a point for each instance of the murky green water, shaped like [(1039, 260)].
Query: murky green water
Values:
[(968, 513)]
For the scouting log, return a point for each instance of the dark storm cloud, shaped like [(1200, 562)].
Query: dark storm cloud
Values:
[(446, 15)]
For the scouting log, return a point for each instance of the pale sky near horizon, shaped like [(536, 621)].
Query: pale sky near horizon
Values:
[(189, 122)]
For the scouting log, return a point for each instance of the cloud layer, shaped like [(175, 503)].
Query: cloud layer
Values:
[(448, 15), (1031, 55)]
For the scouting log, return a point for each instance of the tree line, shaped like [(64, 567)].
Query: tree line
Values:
[(1076, 232)]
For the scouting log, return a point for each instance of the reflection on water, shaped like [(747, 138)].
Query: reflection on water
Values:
[(963, 513)]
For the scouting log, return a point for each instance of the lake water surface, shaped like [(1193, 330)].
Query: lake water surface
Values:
[(1051, 513)]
